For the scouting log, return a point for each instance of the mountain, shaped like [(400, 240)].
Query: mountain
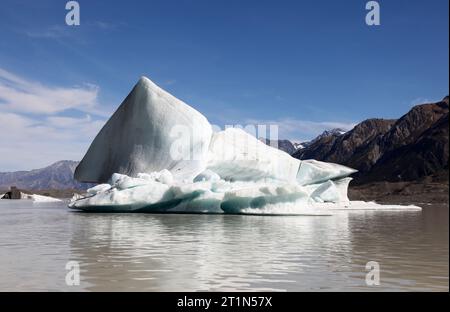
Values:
[(327, 133), (298, 145), (284, 145), (56, 176), (406, 149), (347, 148), (292, 147)]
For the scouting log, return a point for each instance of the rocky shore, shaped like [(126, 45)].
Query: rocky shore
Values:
[(417, 193)]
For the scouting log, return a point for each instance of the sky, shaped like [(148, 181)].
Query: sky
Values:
[(305, 65)]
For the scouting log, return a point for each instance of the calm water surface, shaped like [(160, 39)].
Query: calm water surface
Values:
[(151, 252)]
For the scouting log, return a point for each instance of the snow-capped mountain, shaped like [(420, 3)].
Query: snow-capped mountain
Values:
[(292, 147), (327, 133), (284, 145), (56, 176)]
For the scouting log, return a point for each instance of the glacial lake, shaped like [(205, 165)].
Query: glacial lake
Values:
[(158, 252)]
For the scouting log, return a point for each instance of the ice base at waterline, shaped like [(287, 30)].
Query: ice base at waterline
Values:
[(159, 192)]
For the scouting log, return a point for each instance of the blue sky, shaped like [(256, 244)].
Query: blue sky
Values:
[(306, 65)]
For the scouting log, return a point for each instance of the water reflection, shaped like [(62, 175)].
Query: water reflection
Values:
[(214, 252), (411, 247), (203, 252), (145, 252)]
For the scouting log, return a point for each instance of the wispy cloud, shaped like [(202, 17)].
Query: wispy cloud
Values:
[(41, 124), (104, 25), (62, 31), (29, 143), (20, 95), (51, 32)]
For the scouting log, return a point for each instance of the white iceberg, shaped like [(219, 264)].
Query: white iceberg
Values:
[(142, 136), (208, 195), (239, 156), (34, 197), (41, 198), (157, 154)]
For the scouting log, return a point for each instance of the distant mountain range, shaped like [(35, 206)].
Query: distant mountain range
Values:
[(291, 147), (56, 176), (406, 149), (284, 145)]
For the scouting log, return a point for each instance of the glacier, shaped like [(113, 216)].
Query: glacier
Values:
[(158, 154)]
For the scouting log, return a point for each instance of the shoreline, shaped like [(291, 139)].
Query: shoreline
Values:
[(417, 193)]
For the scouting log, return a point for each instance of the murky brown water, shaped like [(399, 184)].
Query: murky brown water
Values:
[(144, 252)]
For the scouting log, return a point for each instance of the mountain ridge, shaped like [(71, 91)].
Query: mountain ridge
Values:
[(405, 149), (58, 175)]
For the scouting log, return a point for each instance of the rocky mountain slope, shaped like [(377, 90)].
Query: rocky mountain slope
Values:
[(56, 176), (292, 147), (410, 148)]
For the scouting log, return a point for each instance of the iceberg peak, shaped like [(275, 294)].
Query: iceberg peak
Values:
[(139, 136), (147, 83)]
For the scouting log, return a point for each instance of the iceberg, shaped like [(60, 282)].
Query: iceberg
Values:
[(236, 155), (158, 154), (41, 198), (142, 133), (33, 197)]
